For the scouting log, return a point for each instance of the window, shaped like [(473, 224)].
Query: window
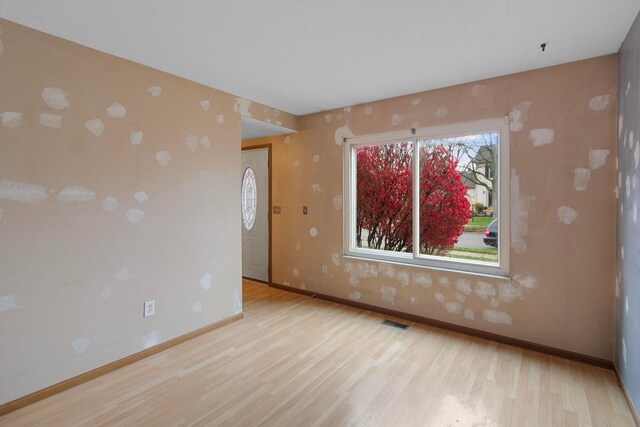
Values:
[(430, 196), (249, 199)]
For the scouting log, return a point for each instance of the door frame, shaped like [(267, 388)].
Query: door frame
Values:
[(269, 163)]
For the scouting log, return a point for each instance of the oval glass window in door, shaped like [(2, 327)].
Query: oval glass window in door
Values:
[(249, 199)]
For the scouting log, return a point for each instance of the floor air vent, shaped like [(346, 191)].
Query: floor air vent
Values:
[(394, 324)]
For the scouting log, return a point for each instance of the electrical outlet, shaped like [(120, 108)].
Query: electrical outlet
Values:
[(277, 210), (305, 210), (149, 308)]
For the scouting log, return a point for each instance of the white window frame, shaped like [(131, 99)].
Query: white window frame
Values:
[(500, 126)]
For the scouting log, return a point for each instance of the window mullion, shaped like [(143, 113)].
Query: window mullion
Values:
[(416, 198)]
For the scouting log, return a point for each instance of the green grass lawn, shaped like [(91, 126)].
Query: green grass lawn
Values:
[(480, 220), (488, 250)]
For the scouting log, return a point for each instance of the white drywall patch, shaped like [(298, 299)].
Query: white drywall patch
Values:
[(116, 110), (287, 140), (22, 192), (205, 281), (519, 214), (388, 294), (495, 302), (635, 212), (337, 202), (341, 133), (151, 339), (355, 296), (316, 188), (136, 137), (442, 112), (242, 106), (163, 157), (416, 101), (8, 302), (328, 117), (494, 316), (518, 116), (463, 286), (80, 344), (220, 118), (237, 300), (55, 98), (205, 104), (581, 178), (626, 304), (636, 155), (403, 278), (11, 119), (135, 215), (141, 197), (469, 314), (477, 90), (196, 307), (539, 137), (507, 292), (566, 214), (50, 120), (413, 299), (485, 290), (192, 142), (124, 274), (597, 158), (627, 186), (295, 272), (368, 110), (387, 270), (296, 163), (444, 282), (440, 297), (335, 258), (422, 279), (313, 232), (95, 126), (107, 292), (155, 91), (315, 158), (396, 119), (76, 194), (110, 204), (205, 142), (453, 307), (600, 102), (460, 296)]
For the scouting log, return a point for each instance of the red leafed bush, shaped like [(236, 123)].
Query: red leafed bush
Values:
[(385, 199)]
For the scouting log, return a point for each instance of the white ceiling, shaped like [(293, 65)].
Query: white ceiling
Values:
[(252, 128), (308, 56)]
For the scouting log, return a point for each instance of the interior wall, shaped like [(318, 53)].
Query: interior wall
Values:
[(628, 289), (118, 184), (562, 269)]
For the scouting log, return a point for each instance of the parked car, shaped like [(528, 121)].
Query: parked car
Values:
[(491, 234)]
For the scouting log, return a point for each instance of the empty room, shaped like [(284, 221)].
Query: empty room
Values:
[(209, 209)]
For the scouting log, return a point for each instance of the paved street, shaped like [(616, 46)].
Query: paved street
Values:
[(472, 240)]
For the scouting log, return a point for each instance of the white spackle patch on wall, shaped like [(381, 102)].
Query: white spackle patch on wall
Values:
[(469, 314), (11, 119), (335, 258), (313, 232), (413, 299), (494, 316), (600, 102), (76, 194), (22, 192), (597, 158), (581, 178), (55, 98), (295, 272), (205, 104), (220, 118), (80, 344), (124, 274), (8, 302), (507, 292), (315, 158), (403, 278), (351, 270), (205, 281), (518, 116), (519, 214), (141, 196), (107, 292), (205, 142), (416, 101), (355, 296), (440, 297), (50, 120), (422, 279), (163, 157), (442, 112), (485, 290), (453, 307), (388, 294), (495, 302), (237, 300), (368, 110), (341, 133), (110, 204), (396, 119), (477, 90), (635, 212), (460, 296), (155, 91), (328, 117), (135, 215), (136, 137), (337, 202), (539, 137), (444, 282), (316, 188), (296, 163), (525, 284), (626, 304), (627, 186), (566, 214), (463, 286), (387, 270), (624, 352), (196, 307), (287, 140), (95, 126), (192, 142), (151, 339), (636, 155), (116, 110), (242, 106)]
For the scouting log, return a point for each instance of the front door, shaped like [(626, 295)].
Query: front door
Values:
[(255, 214)]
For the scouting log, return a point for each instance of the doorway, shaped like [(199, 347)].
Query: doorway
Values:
[(256, 213)]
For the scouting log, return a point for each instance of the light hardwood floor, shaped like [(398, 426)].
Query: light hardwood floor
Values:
[(297, 361)]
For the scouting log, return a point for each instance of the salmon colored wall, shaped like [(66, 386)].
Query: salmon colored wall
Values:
[(560, 291), (74, 274)]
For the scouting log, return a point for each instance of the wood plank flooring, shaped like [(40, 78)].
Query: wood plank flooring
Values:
[(297, 361)]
